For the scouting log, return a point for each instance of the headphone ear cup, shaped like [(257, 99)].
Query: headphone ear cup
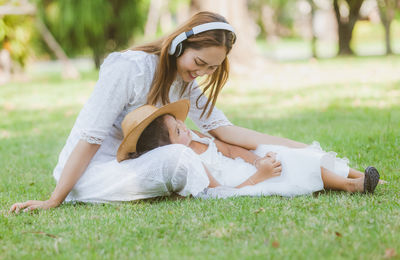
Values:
[(179, 50)]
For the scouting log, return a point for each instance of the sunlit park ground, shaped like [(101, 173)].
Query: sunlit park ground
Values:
[(349, 105)]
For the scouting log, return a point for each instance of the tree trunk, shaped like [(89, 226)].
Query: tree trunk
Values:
[(69, 71), (386, 13), (345, 35), (5, 66), (237, 14), (22, 9), (387, 38), (346, 25), (313, 36), (153, 17)]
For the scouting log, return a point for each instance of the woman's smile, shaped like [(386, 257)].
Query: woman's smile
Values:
[(192, 75), (194, 63)]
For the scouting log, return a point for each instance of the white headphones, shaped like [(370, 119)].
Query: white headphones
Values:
[(176, 45)]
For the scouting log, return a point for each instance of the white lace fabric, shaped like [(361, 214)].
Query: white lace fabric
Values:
[(90, 138), (178, 170)]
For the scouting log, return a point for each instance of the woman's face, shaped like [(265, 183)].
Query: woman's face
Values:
[(193, 63), (178, 132)]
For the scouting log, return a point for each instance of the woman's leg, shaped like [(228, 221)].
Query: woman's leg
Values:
[(333, 181)]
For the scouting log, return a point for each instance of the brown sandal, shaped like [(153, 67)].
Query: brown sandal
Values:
[(371, 179)]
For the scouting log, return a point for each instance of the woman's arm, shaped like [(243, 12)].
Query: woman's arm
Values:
[(233, 151), (267, 167), (75, 166), (250, 139)]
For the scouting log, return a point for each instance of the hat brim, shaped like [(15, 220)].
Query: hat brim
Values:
[(178, 109)]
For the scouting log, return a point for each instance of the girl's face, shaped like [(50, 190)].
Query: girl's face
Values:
[(193, 63), (178, 132)]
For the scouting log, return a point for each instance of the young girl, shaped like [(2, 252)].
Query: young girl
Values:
[(301, 170)]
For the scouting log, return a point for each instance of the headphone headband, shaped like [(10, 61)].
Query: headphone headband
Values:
[(199, 29)]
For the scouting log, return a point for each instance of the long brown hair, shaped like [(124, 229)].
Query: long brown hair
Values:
[(166, 70)]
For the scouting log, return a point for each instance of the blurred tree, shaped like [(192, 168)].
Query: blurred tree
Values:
[(153, 18), (313, 36), (346, 12), (16, 33), (162, 14), (274, 17), (100, 26), (239, 17), (387, 10)]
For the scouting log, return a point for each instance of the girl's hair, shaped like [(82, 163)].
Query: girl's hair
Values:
[(166, 70), (154, 135)]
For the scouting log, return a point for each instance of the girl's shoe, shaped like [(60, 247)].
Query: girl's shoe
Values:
[(371, 179)]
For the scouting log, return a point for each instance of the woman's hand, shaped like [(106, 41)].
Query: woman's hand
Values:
[(32, 205)]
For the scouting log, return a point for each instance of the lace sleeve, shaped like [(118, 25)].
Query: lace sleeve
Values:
[(217, 117), (91, 139), (118, 83)]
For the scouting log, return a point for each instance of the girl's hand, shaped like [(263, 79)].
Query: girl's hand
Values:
[(269, 165), (32, 205)]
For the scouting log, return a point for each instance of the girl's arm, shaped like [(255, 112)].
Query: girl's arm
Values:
[(259, 176), (75, 166), (213, 182), (264, 171), (250, 139)]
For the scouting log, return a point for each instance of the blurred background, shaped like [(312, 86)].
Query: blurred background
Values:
[(70, 36)]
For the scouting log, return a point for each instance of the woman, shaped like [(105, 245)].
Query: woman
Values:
[(155, 73)]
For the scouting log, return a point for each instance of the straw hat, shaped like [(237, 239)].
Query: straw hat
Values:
[(137, 120)]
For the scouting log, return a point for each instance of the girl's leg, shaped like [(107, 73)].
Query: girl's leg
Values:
[(333, 181), (354, 174)]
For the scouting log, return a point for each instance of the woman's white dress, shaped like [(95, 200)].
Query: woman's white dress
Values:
[(301, 170), (123, 85)]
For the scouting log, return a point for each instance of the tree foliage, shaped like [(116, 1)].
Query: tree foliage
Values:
[(98, 26), (15, 34)]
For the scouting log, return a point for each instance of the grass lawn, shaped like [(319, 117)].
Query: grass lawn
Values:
[(350, 105)]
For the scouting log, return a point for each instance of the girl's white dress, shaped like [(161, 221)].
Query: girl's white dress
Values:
[(301, 170)]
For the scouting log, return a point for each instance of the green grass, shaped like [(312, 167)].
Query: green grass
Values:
[(350, 105)]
